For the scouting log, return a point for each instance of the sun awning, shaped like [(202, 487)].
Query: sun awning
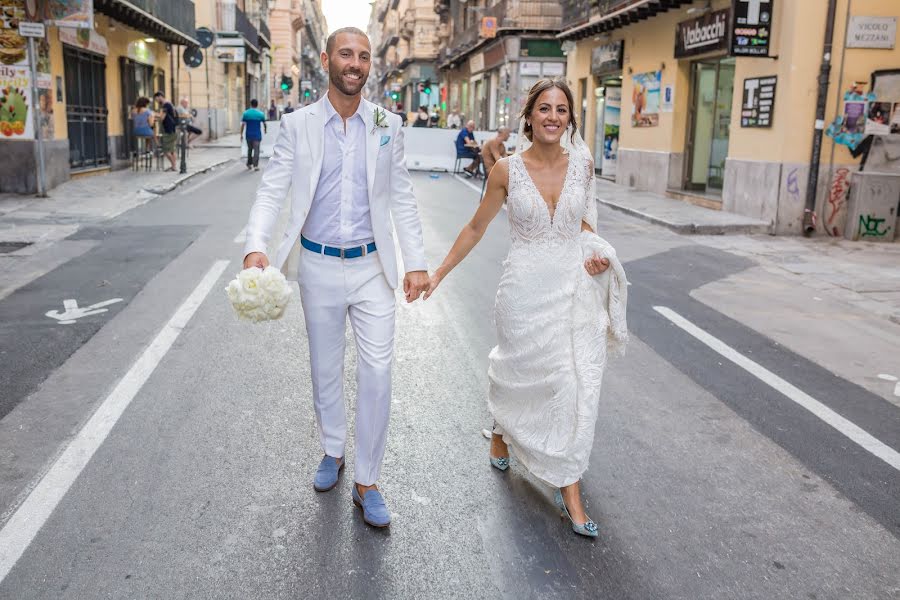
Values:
[(632, 13)]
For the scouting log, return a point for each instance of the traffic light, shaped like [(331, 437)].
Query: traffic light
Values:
[(426, 87), (286, 83), (395, 96), (306, 93)]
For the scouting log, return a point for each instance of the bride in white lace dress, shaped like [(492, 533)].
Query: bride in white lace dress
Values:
[(552, 317)]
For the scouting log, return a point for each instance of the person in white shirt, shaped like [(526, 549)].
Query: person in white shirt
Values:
[(343, 159)]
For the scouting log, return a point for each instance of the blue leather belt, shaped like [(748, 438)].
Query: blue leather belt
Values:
[(354, 252)]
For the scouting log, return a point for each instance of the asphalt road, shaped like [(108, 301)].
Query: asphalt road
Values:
[(706, 482)]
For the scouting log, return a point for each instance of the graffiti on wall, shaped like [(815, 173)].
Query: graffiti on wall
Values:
[(871, 226), (837, 201)]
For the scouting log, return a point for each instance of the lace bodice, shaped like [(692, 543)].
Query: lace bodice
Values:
[(529, 216)]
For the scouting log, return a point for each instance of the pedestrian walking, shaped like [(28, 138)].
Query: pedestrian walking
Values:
[(187, 119), (273, 112), (254, 121), (454, 120), (169, 126), (343, 159), (435, 116), (288, 109), (422, 118), (402, 113), (553, 325)]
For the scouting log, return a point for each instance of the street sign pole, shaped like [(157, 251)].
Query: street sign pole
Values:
[(35, 106), (209, 130)]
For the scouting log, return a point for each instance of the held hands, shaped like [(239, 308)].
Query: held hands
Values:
[(433, 282), (256, 259), (414, 284), (594, 265)]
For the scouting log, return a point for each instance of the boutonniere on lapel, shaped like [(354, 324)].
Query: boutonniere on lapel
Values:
[(380, 118)]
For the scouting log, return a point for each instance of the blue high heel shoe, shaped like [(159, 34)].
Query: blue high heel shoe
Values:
[(588, 529), (500, 463)]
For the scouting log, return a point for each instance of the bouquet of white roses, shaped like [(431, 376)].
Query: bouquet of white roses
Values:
[(259, 295)]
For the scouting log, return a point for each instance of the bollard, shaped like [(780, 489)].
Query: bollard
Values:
[(184, 138)]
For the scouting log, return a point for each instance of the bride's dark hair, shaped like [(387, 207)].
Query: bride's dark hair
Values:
[(535, 92)]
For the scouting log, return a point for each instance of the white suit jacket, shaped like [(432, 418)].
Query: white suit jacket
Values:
[(296, 164)]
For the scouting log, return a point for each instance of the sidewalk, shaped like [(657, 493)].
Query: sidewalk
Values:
[(30, 227), (679, 216)]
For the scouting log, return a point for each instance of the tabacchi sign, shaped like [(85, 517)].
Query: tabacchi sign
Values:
[(703, 34)]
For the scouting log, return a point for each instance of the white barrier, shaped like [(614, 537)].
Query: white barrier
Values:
[(432, 149)]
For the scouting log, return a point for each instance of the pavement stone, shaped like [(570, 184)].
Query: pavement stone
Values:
[(678, 216)]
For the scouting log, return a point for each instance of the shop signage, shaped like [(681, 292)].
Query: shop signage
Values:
[(78, 14), (530, 68), (87, 39), (140, 51), (872, 32), (759, 101), (645, 99), (752, 27), (702, 35), (554, 69), (606, 59), (16, 120), (476, 63), (230, 54)]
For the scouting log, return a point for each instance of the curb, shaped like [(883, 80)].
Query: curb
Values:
[(690, 228), (165, 188)]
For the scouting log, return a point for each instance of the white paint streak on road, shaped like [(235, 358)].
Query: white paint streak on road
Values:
[(241, 237), (26, 522), (852, 431)]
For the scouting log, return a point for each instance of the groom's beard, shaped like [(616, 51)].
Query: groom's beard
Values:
[(345, 87)]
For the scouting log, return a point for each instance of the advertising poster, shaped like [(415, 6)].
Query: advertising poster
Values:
[(15, 100), (645, 99), (758, 101), (611, 118), (62, 13), (12, 45), (878, 118), (895, 119), (668, 99)]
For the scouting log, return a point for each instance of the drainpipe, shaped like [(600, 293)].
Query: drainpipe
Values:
[(821, 98)]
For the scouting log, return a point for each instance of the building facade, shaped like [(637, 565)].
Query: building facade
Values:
[(493, 51), (90, 71), (299, 30), (236, 67), (715, 102), (405, 44)]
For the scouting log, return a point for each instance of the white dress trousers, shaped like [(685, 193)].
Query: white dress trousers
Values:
[(330, 290)]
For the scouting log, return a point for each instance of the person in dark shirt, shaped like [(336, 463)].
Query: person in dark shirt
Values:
[(169, 127), (288, 109), (421, 117), (467, 147), (402, 114), (255, 122)]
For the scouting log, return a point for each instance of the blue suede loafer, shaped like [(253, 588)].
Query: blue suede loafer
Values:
[(375, 512), (327, 474)]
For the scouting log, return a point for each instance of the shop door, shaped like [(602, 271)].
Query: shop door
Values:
[(712, 90), (606, 132), (137, 82), (86, 112)]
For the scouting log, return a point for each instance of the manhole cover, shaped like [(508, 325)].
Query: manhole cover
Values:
[(7, 247)]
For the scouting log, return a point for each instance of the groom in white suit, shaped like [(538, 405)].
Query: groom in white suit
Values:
[(343, 159)]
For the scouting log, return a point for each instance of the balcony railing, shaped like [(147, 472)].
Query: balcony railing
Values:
[(243, 26), (531, 15), (171, 21), (265, 36)]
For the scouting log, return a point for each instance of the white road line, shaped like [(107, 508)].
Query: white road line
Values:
[(23, 526), (241, 237), (846, 427)]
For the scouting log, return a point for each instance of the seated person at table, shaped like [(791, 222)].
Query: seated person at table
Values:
[(467, 147), (494, 149)]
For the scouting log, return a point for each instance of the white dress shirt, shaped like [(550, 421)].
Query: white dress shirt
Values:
[(339, 214)]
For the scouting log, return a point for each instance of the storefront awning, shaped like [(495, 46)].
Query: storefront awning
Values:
[(638, 11), (173, 24)]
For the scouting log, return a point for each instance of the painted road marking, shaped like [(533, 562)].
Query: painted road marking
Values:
[(241, 237), (462, 179), (72, 312), (852, 431), (23, 526)]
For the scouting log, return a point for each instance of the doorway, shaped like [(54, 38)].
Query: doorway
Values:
[(608, 98), (137, 81), (86, 112), (712, 91)]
